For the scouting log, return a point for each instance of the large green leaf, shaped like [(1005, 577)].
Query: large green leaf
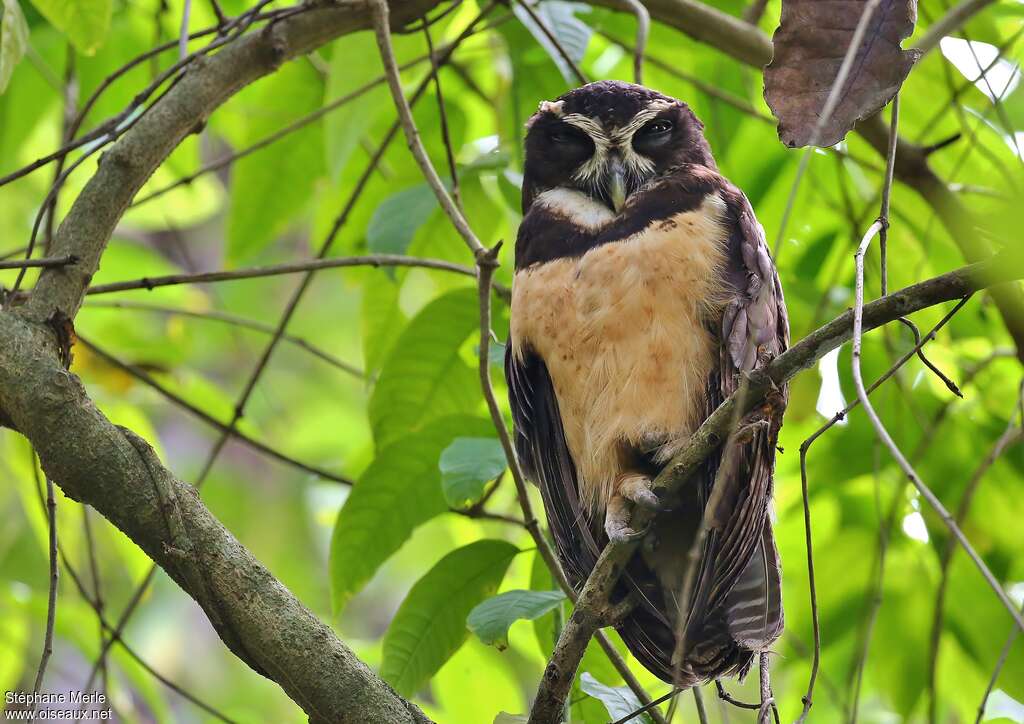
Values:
[(399, 491), (397, 219), (559, 18), (491, 619), (344, 126), (620, 701), (13, 40), (272, 186), (467, 465), (425, 377), (382, 317), (430, 625), (85, 22)]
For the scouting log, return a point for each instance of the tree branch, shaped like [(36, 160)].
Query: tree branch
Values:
[(126, 165), (117, 473), (593, 598)]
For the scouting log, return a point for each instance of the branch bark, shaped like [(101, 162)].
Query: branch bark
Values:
[(586, 617), (206, 84), (117, 472)]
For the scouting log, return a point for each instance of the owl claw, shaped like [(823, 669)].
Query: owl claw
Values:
[(637, 488), (616, 521), (632, 490)]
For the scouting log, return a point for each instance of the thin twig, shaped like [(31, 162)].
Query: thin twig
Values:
[(51, 598), (97, 590), (643, 31), (442, 113), (731, 99), (767, 700), (805, 447), (949, 23), (650, 710), (890, 166), (553, 39), (186, 11), (698, 702), (209, 419), (826, 114), (312, 265), (277, 135), (1012, 435), (106, 628), (1003, 656), (924, 490), (382, 31), (235, 321), (43, 263)]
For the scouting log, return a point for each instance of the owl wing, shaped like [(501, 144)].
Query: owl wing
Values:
[(739, 572), (544, 455)]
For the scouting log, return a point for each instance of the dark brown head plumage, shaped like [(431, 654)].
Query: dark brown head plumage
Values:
[(580, 139)]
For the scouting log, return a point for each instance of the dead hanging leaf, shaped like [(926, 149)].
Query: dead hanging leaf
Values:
[(810, 43)]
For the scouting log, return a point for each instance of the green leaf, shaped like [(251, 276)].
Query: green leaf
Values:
[(85, 22), (572, 34), (397, 219), (620, 701), (13, 40), (344, 126), (399, 491), (505, 718), (430, 625), (272, 186), (382, 317), (467, 465), (425, 377), (491, 619)]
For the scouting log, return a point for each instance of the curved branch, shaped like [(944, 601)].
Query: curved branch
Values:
[(585, 619), (207, 83), (116, 472)]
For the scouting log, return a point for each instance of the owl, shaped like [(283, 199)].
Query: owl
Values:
[(643, 292)]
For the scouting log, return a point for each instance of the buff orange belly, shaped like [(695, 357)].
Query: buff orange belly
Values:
[(621, 331)]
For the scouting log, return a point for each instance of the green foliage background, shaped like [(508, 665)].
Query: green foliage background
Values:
[(387, 562)]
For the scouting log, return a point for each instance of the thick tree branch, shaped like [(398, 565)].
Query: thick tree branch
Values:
[(208, 82), (117, 473), (586, 617), (113, 469)]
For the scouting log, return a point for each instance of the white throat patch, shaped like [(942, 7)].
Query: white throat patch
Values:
[(576, 207)]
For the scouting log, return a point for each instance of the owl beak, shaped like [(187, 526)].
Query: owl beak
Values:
[(616, 184)]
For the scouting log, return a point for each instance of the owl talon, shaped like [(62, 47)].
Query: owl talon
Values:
[(637, 488), (616, 521)]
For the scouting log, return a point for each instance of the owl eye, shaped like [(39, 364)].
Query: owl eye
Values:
[(565, 134), (657, 127)]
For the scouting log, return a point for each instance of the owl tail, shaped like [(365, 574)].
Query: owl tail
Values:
[(721, 641)]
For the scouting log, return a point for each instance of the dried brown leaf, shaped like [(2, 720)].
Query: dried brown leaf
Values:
[(810, 43)]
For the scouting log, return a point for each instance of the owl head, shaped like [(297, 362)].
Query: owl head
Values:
[(607, 139)]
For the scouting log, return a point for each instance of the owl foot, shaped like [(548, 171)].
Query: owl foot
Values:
[(631, 489), (637, 488)]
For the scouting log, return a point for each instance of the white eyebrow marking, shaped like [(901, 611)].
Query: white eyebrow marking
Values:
[(638, 167)]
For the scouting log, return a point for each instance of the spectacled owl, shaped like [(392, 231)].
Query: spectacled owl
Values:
[(643, 291)]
